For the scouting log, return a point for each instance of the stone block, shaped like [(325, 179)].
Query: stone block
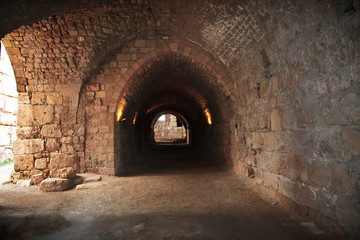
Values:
[(59, 161), (270, 180), (55, 184), (319, 173), (26, 146), (23, 98), (90, 177), (66, 172), (90, 185), (43, 114), (272, 102), (23, 162), (264, 89), (287, 187), (258, 140), (52, 130), (352, 142), (276, 120), (37, 179), (68, 117), (41, 163), (38, 98), (28, 132), (140, 43), (100, 94), (24, 183), (52, 145), (24, 115), (53, 98), (275, 83), (341, 181)]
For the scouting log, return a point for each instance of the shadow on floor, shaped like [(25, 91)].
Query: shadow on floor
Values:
[(154, 226), (160, 159)]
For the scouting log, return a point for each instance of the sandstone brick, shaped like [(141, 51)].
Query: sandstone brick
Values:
[(276, 120), (38, 98), (289, 79), (140, 43), (341, 182), (58, 161), (66, 172), (52, 130), (92, 87), (43, 114), (270, 180), (24, 183), (318, 173), (55, 184), (287, 187), (23, 98), (41, 163), (53, 98), (26, 146), (275, 83), (23, 162), (352, 142), (52, 145), (28, 132), (272, 102), (37, 179), (264, 89), (100, 94), (24, 115)]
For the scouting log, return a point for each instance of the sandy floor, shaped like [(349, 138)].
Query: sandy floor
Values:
[(185, 201)]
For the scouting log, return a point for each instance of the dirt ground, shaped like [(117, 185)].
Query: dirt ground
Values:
[(182, 197)]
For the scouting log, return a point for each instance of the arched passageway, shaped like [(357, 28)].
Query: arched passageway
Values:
[(169, 83), (268, 87)]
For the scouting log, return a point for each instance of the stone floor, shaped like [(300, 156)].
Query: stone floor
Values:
[(177, 198)]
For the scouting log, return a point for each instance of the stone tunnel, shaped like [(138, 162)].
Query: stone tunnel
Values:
[(270, 88)]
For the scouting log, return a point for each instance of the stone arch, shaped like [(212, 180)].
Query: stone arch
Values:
[(189, 54), (199, 57)]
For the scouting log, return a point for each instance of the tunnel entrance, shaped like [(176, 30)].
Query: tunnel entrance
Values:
[(171, 101)]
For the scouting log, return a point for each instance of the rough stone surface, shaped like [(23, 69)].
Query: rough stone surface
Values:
[(37, 179), (55, 184), (24, 183), (59, 161), (66, 173), (89, 185), (271, 87), (87, 178)]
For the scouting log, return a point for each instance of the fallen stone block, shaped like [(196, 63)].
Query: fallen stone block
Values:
[(67, 172), (55, 184), (24, 183), (37, 179), (90, 185), (89, 177)]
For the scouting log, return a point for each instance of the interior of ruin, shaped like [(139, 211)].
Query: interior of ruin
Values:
[(269, 89)]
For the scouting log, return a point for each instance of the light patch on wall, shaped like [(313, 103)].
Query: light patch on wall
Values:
[(119, 112), (135, 117), (208, 115)]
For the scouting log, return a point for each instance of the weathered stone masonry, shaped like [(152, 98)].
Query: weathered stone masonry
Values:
[(280, 78)]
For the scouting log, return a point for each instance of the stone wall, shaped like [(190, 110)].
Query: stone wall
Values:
[(280, 80)]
